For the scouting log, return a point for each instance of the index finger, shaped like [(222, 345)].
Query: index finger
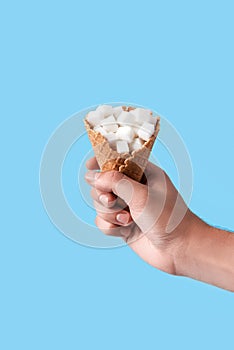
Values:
[(92, 164)]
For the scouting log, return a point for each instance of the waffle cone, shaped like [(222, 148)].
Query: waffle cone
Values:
[(132, 165)]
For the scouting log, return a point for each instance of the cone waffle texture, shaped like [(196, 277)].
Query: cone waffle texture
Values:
[(133, 165)]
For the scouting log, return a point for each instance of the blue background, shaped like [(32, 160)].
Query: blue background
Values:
[(57, 58)]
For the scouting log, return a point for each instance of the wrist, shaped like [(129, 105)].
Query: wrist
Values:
[(189, 238)]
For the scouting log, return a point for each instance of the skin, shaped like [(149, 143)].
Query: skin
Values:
[(155, 222)]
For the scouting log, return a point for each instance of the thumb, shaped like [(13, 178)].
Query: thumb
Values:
[(131, 191)]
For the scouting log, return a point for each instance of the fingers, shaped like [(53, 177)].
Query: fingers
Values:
[(114, 215), (92, 164), (106, 227), (124, 187), (106, 198), (151, 172), (110, 229), (114, 230)]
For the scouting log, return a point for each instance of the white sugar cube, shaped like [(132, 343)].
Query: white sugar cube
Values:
[(136, 144), (117, 110), (122, 146), (101, 130), (135, 129), (126, 118), (110, 127), (142, 115), (109, 120), (145, 131), (109, 124), (94, 118), (105, 110), (125, 133), (111, 137)]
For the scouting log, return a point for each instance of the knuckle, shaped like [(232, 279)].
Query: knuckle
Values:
[(104, 226), (115, 175), (101, 209)]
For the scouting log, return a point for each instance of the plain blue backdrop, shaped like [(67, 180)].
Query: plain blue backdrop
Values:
[(58, 57)]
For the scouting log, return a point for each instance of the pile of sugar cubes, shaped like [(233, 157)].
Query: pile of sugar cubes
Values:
[(125, 131)]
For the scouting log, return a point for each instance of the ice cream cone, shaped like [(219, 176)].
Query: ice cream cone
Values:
[(133, 165)]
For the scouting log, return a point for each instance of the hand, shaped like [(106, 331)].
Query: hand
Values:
[(152, 218)]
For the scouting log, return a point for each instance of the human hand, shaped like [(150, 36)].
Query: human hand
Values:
[(152, 218)]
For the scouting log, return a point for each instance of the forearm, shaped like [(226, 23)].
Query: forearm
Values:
[(208, 256)]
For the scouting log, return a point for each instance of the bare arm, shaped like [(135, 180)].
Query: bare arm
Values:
[(144, 216), (208, 255)]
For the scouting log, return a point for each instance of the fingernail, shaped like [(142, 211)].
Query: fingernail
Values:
[(103, 198), (122, 218), (105, 201), (90, 176)]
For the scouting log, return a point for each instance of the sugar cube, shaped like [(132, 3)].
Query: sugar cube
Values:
[(105, 110), (122, 146), (109, 124), (111, 137), (117, 110), (145, 131), (126, 118), (142, 115), (94, 118), (101, 130), (136, 144), (125, 133)]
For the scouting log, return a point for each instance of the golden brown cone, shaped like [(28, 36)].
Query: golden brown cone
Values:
[(133, 165)]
